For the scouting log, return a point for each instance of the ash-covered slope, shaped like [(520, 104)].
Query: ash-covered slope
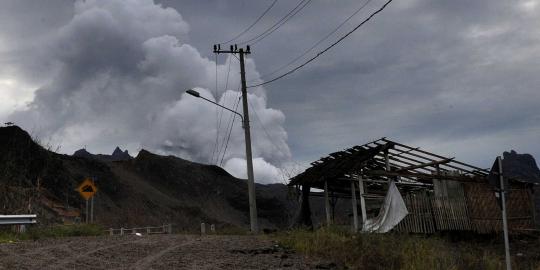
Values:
[(149, 189)]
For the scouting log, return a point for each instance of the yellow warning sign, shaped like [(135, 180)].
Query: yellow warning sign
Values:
[(87, 189)]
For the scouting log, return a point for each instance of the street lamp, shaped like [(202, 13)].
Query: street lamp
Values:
[(197, 95), (249, 158)]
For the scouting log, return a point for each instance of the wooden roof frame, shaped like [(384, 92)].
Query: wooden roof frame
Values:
[(384, 159)]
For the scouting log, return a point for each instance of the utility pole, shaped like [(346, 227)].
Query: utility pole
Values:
[(249, 159), (504, 216)]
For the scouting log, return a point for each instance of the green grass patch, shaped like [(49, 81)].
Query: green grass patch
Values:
[(398, 251), (34, 233)]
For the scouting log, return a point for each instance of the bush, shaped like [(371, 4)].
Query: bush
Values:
[(35, 233), (396, 251)]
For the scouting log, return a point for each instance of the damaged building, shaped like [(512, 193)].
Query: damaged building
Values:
[(414, 190)]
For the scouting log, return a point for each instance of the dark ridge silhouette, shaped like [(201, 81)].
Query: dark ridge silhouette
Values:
[(521, 166), (147, 190)]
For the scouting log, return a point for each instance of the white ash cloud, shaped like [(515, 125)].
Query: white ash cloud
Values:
[(122, 69)]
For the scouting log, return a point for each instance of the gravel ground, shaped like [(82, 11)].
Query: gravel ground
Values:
[(151, 252)]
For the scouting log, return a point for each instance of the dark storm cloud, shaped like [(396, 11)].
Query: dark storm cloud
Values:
[(121, 70), (457, 77)]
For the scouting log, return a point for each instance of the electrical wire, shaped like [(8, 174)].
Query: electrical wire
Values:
[(279, 23), (273, 30), (251, 26), (325, 50), (230, 129), (318, 42), (284, 173), (266, 131), (221, 109), (217, 115)]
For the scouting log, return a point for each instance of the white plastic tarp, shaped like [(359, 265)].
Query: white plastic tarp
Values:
[(392, 212)]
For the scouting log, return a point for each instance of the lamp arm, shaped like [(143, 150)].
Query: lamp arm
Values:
[(217, 104)]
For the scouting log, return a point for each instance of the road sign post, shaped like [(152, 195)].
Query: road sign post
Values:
[(496, 178), (87, 189)]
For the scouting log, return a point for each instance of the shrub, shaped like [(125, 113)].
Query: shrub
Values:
[(397, 250)]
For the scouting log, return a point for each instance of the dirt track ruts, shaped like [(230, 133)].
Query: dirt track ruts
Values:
[(150, 252)]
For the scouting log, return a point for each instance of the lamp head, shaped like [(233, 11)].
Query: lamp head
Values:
[(193, 93)]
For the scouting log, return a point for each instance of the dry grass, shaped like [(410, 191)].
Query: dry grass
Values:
[(35, 233), (398, 251)]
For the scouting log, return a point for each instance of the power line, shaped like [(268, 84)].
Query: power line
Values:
[(283, 171), (230, 131), (325, 50), (279, 23), (266, 131), (318, 42), (253, 24), (230, 119), (273, 30), (221, 109), (217, 114)]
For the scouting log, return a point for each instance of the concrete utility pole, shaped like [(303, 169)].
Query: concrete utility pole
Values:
[(504, 217), (251, 182)]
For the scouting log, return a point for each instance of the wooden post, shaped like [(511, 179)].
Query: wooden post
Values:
[(304, 217), (362, 200), (111, 231), (387, 160), (354, 209), (121, 231), (86, 219), (203, 228), (327, 204), (92, 210)]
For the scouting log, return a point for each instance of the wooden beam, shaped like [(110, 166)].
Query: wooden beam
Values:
[(433, 163), (354, 207), (423, 176), (362, 200), (435, 155), (327, 204), (418, 184)]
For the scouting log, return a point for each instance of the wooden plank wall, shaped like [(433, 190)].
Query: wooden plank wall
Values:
[(450, 213), (420, 217), (429, 213), (485, 213), (475, 210)]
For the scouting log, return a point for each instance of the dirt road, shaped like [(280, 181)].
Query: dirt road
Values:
[(150, 252)]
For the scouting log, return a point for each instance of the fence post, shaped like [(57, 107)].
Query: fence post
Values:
[(147, 230), (121, 231), (111, 231), (203, 228), (170, 228), (213, 228)]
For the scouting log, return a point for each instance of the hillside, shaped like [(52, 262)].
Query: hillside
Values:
[(147, 189)]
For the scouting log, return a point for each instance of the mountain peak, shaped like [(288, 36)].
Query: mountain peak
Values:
[(522, 166), (117, 151), (118, 154)]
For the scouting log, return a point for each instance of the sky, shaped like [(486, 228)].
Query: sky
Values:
[(458, 78)]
